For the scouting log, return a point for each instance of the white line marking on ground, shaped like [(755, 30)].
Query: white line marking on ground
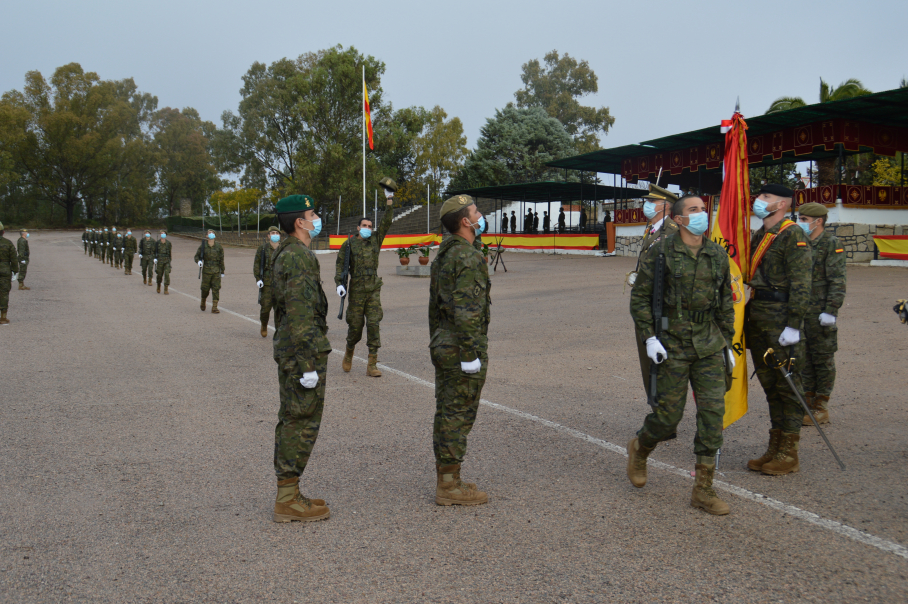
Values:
[(831, 525)]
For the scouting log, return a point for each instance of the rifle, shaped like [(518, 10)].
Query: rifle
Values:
[(660, 323), (262, 269), (345, 277)]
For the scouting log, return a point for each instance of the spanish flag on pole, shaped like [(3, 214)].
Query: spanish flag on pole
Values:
[(367, 112), (731, 230)]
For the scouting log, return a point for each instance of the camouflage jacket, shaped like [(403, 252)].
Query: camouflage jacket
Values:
[(22, 249), (146, 246), (118, 241), (86, 236), (162, 249), (459, 299), (364, 257), (650, 238), (94, 238), (300, 308), (214, 258), (697, 301), (131, 245), (268, 251), (828, 289), (9, 259), (786, 268), (103, 238)]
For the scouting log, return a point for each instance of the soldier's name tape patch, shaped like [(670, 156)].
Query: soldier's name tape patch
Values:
[(802, 244)]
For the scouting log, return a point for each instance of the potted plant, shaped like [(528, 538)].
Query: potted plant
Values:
[(424, 254), (404, 254)]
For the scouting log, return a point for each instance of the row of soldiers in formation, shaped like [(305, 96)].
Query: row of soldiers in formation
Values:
[(14, 261), (797, 277)]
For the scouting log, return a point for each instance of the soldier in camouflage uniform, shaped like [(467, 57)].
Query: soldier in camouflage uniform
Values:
[(130, 245), (780, 277), (210, 257), (111, 242), (86, 240), (301, 350), (9, 265), (694, 349), (118, 249), (162, 257), (22, 250), (146, 257), (102, 247), (93, 243), (364, 303), (261, 270), (826, 298), (459, 312)]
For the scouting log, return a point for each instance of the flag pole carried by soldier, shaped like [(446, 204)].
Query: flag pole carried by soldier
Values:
[(693, 349), (780, 275), (459, 312), (23, 251), (162, 257), (301, 351), (364, 295), (9, 266), (210, 258), (130, 245), (261, 270), (827, 294)]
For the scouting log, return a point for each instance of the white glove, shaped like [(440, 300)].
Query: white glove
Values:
[(260, 283), (23, 262), (201, 263), (341, 291), (140, 256), (827, 320), (731, 358), (15, 276), (789, 336), (222, 275), (309, 379), (655, 350), (122, 249), (471, 367), (389, 193), (155, 260)]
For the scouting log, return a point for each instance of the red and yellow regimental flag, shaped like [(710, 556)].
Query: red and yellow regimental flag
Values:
[(731, 230), (368, 113)]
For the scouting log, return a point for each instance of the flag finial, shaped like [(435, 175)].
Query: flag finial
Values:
[(738, 105)]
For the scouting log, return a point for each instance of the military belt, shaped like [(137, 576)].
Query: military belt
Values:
[(364, 272), (698, 316), (770, 295)]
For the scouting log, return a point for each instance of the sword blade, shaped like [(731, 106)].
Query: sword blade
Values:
[(791, 384)]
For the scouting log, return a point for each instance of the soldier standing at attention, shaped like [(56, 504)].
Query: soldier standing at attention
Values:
[(162, 256), (22, 250), (513, 222), (111, 242), (364, 303), (694, 348), (210, 257), (561, 222), (504, 222), (459, 312), (261, 270), (780, 277), (826, 297), (301, 350), (146, 256), (130, 245), (9, 265), (118, 249), (86, 239)]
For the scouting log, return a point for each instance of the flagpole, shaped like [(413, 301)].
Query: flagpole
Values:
[(364, 139)]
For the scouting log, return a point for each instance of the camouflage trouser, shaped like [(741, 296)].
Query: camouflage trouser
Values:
[(211, 281), (265, 311), (23, 269), (645, 361), (6, 284), (147, 267), (85, 246), (456, 403), (110, 253), (118, 256), (162, 270), (766, 322), (299, 419), (129, 256), (364, 309), (821, 344), (707, 377)]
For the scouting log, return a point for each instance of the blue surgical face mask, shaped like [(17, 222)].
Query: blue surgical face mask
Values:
[(649, 209), (807, 226), (365, 232), (163, 235), (211, 235), (147, 234), (316, 227), (697, 223), (480, 227), (128, 233), (761, 209), (275, 238)]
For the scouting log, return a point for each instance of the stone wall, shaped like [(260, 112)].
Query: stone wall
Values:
[(628, 246), (857, 239)]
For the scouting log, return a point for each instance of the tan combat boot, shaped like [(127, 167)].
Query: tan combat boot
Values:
[(372, 369), (809, 398), (149, 281), (786, 458), (3, 319), (821, 409), (214, 307), (264, 330), (636, 462), (291, 505), (775, 436), (347, 363), (21, 285), (704, 495), (451, 490), (202, 305), (159, 287), (166, 293), (144, 280)]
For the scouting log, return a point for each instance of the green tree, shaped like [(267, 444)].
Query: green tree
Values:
[(241, 202), (440, 149), (184, 165), (556, 88)]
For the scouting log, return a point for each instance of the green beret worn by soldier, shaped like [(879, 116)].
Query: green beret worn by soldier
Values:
[(459, 312), (301, 350), (146, 256), (86, 239), (210, 258), (780, 268), (364, 297), (163, 254), (694, 349), (130, 245), (9, 265), (22, 250), (261, 270), (826, 297)]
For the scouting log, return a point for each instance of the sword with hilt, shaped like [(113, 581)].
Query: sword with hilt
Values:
[(660, 322)]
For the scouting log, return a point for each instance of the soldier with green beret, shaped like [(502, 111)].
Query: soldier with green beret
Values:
[(22, 250), (826, 297), (130, 245), (694, 349), (459, 312), (210, 258), (163, 254), (9, 266), (86, 239), (780, 266), (261, 270), (301, 350), (364, 295), (146, 257)]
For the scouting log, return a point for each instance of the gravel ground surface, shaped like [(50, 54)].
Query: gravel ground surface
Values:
[(136, 436)]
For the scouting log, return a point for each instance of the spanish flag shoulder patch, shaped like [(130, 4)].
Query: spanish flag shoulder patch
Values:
[(802, 244), (839, 251)]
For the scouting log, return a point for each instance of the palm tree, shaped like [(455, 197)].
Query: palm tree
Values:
[(848, 89)]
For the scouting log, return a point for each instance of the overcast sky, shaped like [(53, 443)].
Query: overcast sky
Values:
[(664, 67)]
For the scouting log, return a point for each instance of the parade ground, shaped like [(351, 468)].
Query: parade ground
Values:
[(136, 442)]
